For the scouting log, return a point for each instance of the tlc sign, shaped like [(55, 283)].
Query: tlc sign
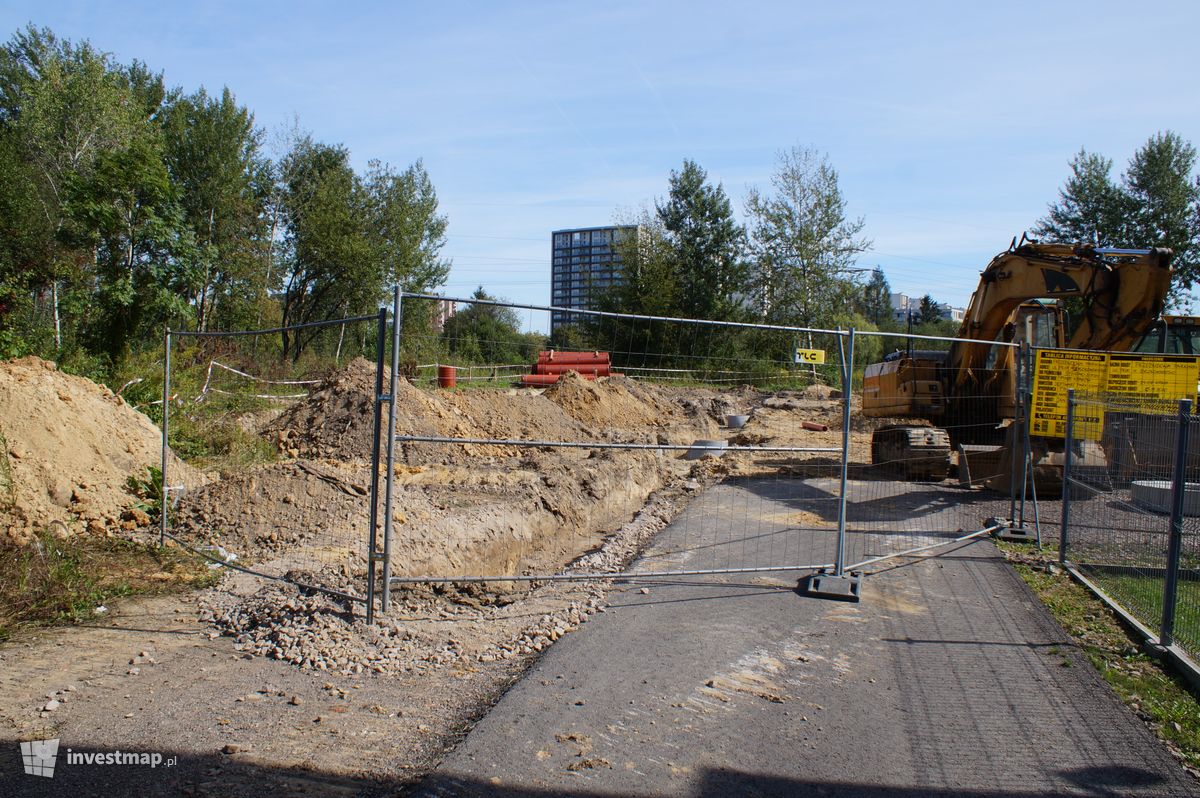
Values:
[(808, 357)]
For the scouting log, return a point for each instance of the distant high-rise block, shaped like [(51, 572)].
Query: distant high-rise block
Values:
[(585, 264)]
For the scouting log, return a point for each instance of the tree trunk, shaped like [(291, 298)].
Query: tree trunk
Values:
[(57, 319), (208, 279), (201, 315)]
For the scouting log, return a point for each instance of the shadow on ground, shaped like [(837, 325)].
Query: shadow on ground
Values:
[(236, 775)]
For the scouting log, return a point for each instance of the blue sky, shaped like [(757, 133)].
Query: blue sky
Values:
[(950, 126)]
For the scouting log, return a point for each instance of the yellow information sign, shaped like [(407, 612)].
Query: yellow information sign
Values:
[(1054, 374), (1154, 377), (810, 356)]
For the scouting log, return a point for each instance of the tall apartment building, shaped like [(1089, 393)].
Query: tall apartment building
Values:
[(443, 311), (584, 264)]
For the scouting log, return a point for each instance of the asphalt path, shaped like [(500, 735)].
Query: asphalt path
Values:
[(949, 678)]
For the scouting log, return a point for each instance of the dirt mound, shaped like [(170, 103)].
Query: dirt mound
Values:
[(310, 516), (461, 509), (70, 446), (336, 420), (278, 507), (608, 402)]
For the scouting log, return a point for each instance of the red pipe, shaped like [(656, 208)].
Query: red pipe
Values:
[(593, 371), (573, 357)]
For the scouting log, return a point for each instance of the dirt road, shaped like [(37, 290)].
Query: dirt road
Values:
[(153, 678)]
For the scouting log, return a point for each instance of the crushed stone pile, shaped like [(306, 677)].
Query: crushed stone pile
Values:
[(430, 627), (315, 633), (69, 448)]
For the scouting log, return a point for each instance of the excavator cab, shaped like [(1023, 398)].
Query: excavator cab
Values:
[(1172, 335), (1038, 322)]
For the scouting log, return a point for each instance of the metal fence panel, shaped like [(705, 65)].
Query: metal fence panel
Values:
[(712, 411), (1132, 524), (926, 450), (286, 415)]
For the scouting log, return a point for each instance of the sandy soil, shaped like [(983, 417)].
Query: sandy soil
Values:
[(254, 678), (69, 446)]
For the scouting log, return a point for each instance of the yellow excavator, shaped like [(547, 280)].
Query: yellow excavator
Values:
[(969, 391)]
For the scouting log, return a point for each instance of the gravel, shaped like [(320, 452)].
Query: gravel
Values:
[(435, 626)]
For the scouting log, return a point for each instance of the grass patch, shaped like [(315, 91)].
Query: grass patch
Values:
[(51, 581), (1145, 594), (1158, 695), (213, 433), (213, 438)]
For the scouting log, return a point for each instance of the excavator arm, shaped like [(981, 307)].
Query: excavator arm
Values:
[(1123, 291), (970, 392)]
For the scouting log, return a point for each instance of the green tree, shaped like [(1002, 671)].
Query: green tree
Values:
[(876, 303), (328, 256), (649, 282), (649, 286), (489, 334), (1090, 208), (123, 205), (26, 246), (930, 311), (803, 244), (1156, 202), (349, 239), (1163, 204), (126, 212), (406, 230), (212, 151), (706, 246), (64, 105)]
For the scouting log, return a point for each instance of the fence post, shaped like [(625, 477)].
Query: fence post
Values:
[(1012, 461), (389, 483), (838, 585), (1065, 526), (1175, 541), (166, 408), (1037, 519), (847, 393), (372, 554), (1024, 432)]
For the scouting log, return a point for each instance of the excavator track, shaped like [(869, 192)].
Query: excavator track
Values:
[(914, 452)]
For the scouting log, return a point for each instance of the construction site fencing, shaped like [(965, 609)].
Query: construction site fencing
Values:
[(578, 464), (762, 426), (1130, 524), (927, 450), (712, 447), (295, 500)]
